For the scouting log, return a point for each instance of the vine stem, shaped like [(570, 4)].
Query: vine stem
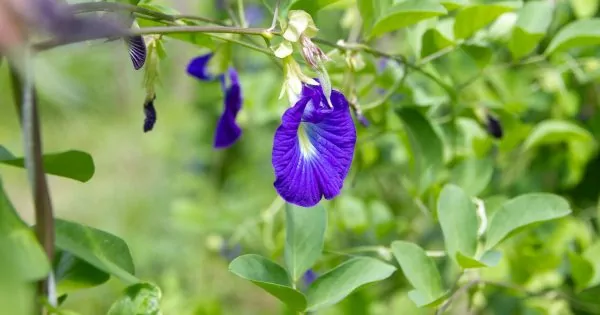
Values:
[(27, 106)]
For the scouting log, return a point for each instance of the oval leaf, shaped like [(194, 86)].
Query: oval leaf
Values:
[(305, 235), (140, 298), (270, 277), (420, 271), (71, 164), (475, 17), (74, 274), (532, 24), (577, 34), (405, 14), (473, 175), (339, 282), (98, 248), (554, 131), (522, 211), (458, 220)]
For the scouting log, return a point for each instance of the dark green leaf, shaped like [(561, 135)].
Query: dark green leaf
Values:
[(481, 54), (339, 282), (420, 271), (98, 248), (305, 235), (438, 38), (270, 277), (405, 14), (73, 274), (577, 34), (458, 219), (138, 299), (522, 211), (475, 17), (72, 164), (532, 24)]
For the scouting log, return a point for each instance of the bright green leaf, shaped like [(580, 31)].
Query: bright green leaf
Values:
[(577, 34), (481, 54), (475, 17), (438, 37), (458, 219), (420, 271), (473, 175), (98, 248), (140, 298), (555, 131), (72, 164), (522, 211), (339, 282), (73, 274), (270, 277), (586, 267), (305, 235), (585, 9), (489, 259), (27, 252), (405, 14), (367, 12), (453, 4), (532, 24), (311, 6)]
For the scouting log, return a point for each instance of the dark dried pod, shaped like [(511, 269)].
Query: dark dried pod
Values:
[(493, 126), (150, 114)]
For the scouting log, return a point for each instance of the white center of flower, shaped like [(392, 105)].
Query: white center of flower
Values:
[(306, 147)]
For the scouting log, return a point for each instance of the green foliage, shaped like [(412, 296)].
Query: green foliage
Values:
[(532, 24), (474, 17), (72, 164), (140, 298), (305, 235), (73, 274), (576, 34)]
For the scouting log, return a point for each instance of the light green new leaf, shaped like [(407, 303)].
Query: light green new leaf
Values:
[(339, 282), (453, 4), (458, 219), (311, 6), (475, 17), (522, 211), (473, 175), (489, 259), (577, 34), (73, 274), (532, 24), (71, 164), (27, 252), (140, 298), (405, 14), (304, 238), (270, 277), (420, 271), (585, 9), (100, 249), (555, 131)]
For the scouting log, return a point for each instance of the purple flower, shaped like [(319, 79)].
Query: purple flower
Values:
[(313, 147), (309, 277), (227, 131), (137, 51)]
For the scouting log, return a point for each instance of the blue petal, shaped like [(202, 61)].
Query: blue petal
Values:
[(313, 148), (198, 67), (228, 131)]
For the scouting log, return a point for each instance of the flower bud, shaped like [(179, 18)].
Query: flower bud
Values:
[(299, 23), (294, 77)]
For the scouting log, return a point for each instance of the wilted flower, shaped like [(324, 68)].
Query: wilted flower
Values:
[(313, 147), (227, 131), (493, 126)]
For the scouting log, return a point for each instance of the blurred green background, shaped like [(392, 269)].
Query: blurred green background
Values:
[(185, 209)]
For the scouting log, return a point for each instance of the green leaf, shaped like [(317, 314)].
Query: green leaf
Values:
[(420, 271), (98, 248), (311, 6), (489, 259), (473, 175), (577, 34), (522, 211), (585, 268), (27, 253), (270, 277), (555, 131), (368, 13), (481, 54), (336, 284), (305, 235), (438, 38), (532, 24), (73, 274), (584, 9), (458, 219), (453, 4), (140, 298), (475, 17), (405, 14), (427, 147), (71, 164)]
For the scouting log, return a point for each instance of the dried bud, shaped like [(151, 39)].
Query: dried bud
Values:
[(493, 126), (313, 55), (149, 113)]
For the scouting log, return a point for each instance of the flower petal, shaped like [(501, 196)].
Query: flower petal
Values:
[(137, 51), (227, 129), (313, 148), (198, 67)]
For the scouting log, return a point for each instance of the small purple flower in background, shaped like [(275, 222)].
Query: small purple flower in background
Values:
[(363, 120), (228, 132), (309, 277), (313, 147), (230, 251), (254, 15)]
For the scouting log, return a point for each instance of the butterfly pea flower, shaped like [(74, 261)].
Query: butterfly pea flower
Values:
[(309, 277), (313, 147), (227, 132)]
